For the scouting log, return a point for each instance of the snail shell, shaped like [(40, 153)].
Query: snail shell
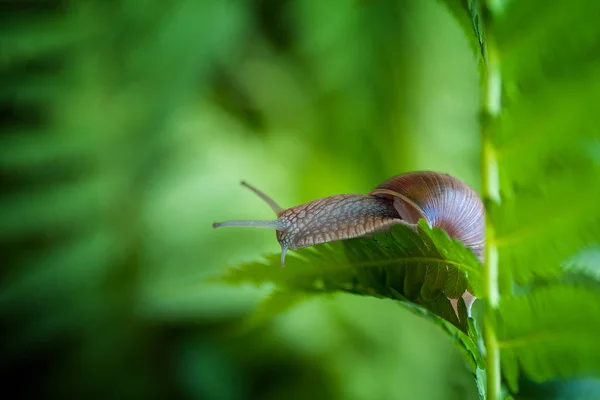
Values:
[(443, 201)]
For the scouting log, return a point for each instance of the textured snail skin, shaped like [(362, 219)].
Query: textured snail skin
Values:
[(334, 218)]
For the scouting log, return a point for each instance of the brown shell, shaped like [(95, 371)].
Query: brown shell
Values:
[(443, 201)]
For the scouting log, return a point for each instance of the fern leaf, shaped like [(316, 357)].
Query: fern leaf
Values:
[(550, 332), (376, 264), (548, 167), (544, 141), (426, 267)]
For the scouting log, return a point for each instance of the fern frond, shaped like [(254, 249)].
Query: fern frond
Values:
[(550, 332), (426, 267), (547, 172), (418, 269), (377, 262)]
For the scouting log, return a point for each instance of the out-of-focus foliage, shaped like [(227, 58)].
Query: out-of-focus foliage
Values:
[(548, 215), (546, 333), (127, 125), (546, 141)]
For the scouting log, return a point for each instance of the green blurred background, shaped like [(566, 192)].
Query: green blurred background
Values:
[(128, 127)]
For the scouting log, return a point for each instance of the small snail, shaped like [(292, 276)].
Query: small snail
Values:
[(443, 201)]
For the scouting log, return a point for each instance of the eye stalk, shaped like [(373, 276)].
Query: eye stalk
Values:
[(323, 220), (278, 224)]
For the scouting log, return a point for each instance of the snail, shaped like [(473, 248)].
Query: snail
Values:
[(442, 200)]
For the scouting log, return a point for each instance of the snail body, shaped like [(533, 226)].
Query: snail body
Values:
[(442, 200)]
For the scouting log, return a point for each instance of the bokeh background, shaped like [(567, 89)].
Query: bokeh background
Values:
[(128, 126)]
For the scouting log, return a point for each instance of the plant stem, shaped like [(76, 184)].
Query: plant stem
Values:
[(492, 106)]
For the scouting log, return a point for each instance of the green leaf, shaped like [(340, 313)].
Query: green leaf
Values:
[(550, 332), (544, 142), (453, 250), (510, 371), (397, 260), (481, 382), (476, 341), (418, 269), (456, 283), (442, 307), (466, 344), (435, 276)]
